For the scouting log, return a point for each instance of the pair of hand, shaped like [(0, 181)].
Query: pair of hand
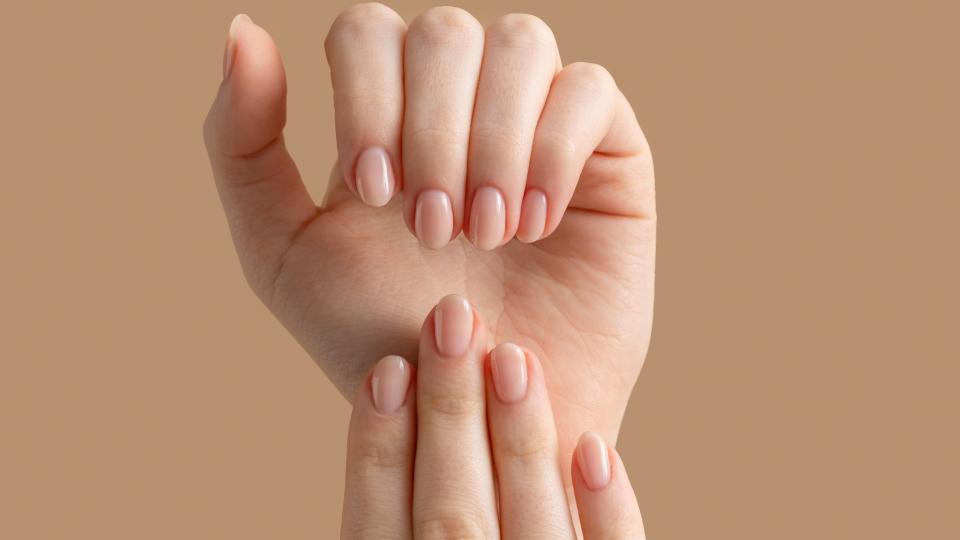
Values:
[(446, 127), (464, 446)]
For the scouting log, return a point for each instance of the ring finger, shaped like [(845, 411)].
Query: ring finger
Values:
[(519, 62), (533, 501)]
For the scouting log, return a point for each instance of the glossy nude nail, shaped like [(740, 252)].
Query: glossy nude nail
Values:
[(508, 365), (389, 383), (593, 459), (433, 221), (230, 51), (453, 326), (375, 182), (488, 218), (533, 216)]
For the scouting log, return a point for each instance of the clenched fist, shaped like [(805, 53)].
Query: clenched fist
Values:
[(444, 127)]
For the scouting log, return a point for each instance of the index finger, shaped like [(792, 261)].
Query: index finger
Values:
[(365, 51)]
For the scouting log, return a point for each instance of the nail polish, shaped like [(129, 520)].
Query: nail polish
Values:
[(533, 216), (453, 326), (508, 365), (488, 218), (375, 182), (433, 221), (230, 51), (593, 459), (389, 384)]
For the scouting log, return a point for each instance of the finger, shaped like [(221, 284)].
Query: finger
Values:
[(533, 500), (605, 500), (519, 61), (263, 197), (585, 116), (380, 453), (365, 51), (453, 478), (443, 51)]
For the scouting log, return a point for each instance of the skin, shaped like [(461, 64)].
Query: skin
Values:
[(456, 107), (426, 468)]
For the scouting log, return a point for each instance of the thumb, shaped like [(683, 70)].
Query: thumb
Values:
[(262, 194)]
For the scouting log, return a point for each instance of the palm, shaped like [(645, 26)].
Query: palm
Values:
[(581, 299)]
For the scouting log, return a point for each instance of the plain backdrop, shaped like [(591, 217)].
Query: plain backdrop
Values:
[(802, 382)]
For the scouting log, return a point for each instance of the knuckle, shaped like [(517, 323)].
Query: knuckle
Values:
[(556, 146), (437, 137), (521, 30), (362, 20), (452, 405), (445, 25), (378, 456), (504, 139), (593, 77), (376, 444), (363, 531), (526, 450), (463, 525)]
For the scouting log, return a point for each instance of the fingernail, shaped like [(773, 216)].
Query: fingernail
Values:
[(375, 182), (488, 218), (231, 49), (390, 380), (594, 461), (533, 216), (453, 326), (509, 366), (434, 219)]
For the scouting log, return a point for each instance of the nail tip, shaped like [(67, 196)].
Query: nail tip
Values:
[(238, 20)]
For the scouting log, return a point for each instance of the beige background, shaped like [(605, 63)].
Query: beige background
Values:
[(803, 378)]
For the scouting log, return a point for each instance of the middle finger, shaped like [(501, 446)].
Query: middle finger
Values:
[(519, 62), (443, 51), (453, 493)]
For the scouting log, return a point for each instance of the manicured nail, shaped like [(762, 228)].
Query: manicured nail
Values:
[(453, 326), (488, 218), (433, 222), (533, 216), (594, 461), (509, 366), (230, 52), (375, 183), (390, 380)]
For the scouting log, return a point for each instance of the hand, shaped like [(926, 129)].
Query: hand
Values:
[(349, 281), (421, 462)]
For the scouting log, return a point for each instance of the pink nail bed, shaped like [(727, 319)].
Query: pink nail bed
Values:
[(508, 365), (488, 218), (533, 216), (375, 182), (593, 459), (433, 221), (453, 326), (389, 384)]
